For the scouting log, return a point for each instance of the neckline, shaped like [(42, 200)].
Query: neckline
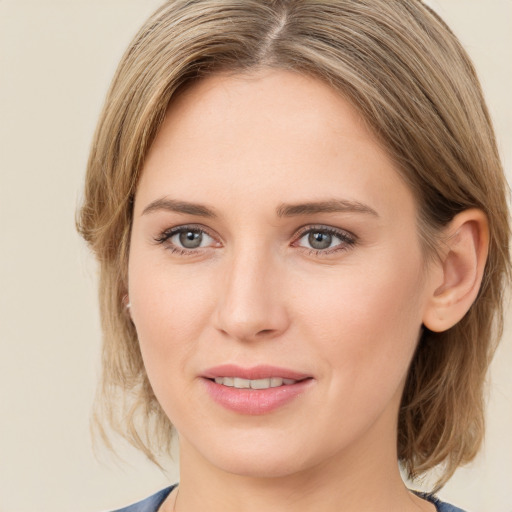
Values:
[(163, 494), (431, 498)]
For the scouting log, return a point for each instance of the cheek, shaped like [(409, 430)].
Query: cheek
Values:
[(170, 310), (366, 323)]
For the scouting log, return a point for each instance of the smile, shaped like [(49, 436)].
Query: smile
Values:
[(256, 390), (240, 383)]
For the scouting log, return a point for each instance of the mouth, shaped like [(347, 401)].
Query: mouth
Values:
[(256, 390), (277, 375), (240, 383)]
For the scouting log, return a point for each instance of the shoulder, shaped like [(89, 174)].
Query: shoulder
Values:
[(441, 506), (150, 504), (446, 507)]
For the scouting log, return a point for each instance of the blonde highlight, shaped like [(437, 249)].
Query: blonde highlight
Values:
[(413, 83)]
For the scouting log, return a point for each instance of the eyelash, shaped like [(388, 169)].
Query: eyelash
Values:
[(165, 236), (347, 240)]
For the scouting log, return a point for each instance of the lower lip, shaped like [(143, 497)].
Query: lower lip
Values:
[(255, 401)]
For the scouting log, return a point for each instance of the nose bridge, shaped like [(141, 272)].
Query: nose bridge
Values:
[(250, 305)]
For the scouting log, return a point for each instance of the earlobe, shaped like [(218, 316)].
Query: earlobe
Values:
[(127, 304), (461, 268)]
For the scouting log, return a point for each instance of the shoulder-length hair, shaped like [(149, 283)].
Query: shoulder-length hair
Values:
[(413, 83)]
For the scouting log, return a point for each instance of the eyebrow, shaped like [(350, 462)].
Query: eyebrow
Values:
[(330, 206), (172, 205), (284, 210)]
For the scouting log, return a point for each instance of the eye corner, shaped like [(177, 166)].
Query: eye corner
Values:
[(187, 234), (327, 235)]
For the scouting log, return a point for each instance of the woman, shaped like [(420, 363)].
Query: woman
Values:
[(300, 217)]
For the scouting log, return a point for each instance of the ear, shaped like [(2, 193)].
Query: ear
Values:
[(127, 305), (460, 269)]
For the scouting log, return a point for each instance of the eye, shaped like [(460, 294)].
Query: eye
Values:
[(186, 238), (190, 239), (325, 239)]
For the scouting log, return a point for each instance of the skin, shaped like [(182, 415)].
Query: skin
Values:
[(255, 292)]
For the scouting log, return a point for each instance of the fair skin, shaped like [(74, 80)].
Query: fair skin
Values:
[(271, 228)]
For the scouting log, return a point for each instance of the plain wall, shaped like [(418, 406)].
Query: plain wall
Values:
[(56, 60)]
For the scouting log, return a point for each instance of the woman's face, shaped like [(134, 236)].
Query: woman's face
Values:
[(276, 279)]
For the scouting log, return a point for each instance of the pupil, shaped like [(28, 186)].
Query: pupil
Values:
[(320, 240), (190, 239)]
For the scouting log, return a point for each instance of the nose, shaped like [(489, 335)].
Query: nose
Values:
[(250, 306)]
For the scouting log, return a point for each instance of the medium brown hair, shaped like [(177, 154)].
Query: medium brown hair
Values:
[(409, 77)]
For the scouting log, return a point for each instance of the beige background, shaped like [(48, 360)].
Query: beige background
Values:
[(56, 60)]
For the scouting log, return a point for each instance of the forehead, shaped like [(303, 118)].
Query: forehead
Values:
[(285, 102), (272, 132)]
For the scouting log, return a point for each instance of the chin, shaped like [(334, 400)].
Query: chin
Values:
[(263, 467), (259, 459)]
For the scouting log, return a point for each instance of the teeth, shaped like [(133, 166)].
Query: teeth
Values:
[(225, 381), (261, 384), (275, 382), (239, 383), (242, 383)]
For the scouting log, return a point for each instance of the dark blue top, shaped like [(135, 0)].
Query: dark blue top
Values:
[(151, 504), (154, 502)]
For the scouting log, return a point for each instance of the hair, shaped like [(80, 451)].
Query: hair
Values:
[(411, 80)]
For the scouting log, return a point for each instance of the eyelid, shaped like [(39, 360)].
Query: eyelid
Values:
[(347, 238), (342, 233), (165, 236)]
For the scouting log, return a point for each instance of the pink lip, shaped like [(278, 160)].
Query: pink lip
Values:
[(256, 372), (254, 401)]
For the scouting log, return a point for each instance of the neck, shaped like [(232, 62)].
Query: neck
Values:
[(353, 481)]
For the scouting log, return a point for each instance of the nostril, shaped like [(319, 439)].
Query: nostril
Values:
[(264, 332)]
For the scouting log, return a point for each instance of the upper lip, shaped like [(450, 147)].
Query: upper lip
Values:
[(253, 373)]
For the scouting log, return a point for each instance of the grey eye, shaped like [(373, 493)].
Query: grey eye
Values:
[(319, 240), (325, 239), (191, 239)]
